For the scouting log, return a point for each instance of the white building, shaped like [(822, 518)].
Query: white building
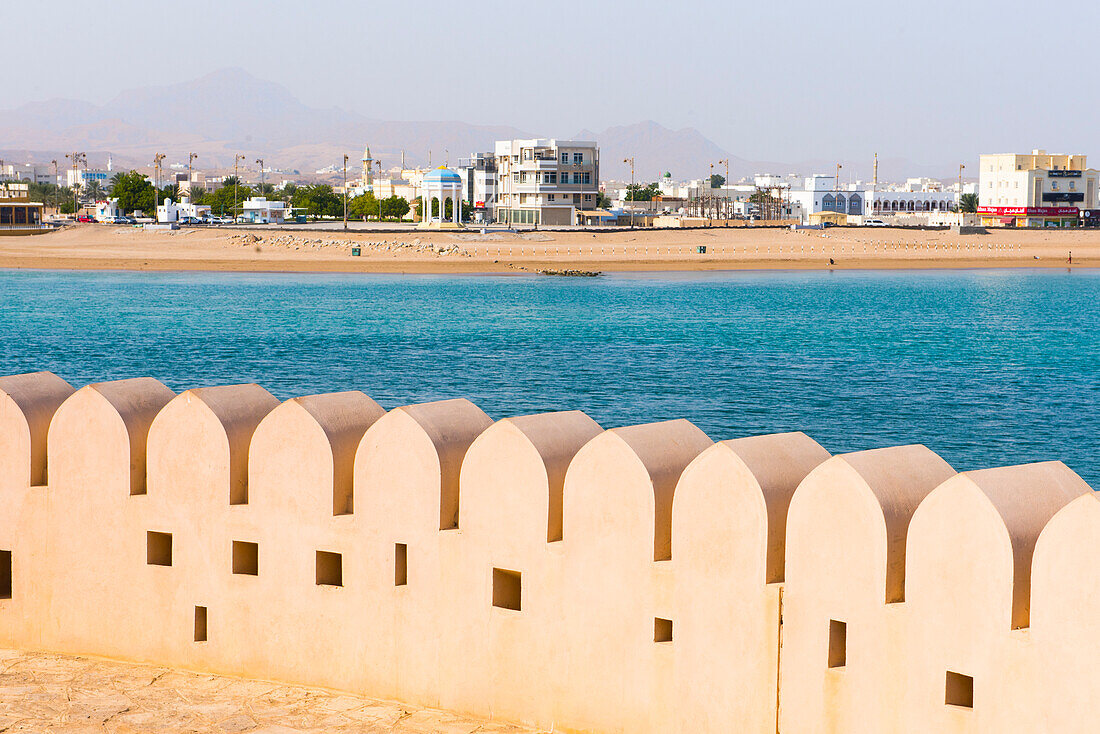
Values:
[(546, 181), (479, 184), (196, 179), (170, 211), (258, 210), (27, 172), (106, 211), (78, 178), (1035, 189), (820, 193)]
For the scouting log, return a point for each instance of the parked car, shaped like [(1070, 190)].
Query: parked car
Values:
[(190, 220), (873, 223), (85, 219)]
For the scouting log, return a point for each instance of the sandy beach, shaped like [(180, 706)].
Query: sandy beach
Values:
[(291, 249)]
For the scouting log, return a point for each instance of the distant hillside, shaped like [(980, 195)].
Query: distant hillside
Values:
[(230, 111), (685, 153)]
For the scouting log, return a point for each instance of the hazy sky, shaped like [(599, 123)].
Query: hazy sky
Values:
[(928, 80)]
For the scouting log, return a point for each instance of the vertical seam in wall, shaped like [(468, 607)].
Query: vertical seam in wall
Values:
[(779, 660)]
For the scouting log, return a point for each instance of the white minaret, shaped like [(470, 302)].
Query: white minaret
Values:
[(368, 169)]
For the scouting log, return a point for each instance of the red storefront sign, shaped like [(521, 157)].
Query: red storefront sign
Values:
[(1028, 211)]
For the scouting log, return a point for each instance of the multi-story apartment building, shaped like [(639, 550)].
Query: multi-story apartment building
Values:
[(479, 184), (546, 181), (1035, 189)]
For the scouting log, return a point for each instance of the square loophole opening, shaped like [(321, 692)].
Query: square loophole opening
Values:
[(400, 564), (507, 589), (5, 574), (662, 630), (200, 624), (838, 643), (158, 548), (959, 690), (330, 569), (246, 558)]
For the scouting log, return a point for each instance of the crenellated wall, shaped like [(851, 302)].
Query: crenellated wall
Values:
[(544, 570)]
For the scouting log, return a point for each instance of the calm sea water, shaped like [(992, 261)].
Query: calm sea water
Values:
[(985, 367)]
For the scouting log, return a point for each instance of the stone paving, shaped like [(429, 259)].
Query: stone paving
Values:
[(63, 694)]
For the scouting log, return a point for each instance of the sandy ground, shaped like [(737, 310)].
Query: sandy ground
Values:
[(290, 249), (41, 692)]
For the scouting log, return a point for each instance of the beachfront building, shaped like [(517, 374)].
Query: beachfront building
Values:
[(107, 210), (915, 200), (906, 201), (479, 184), (1035, 189), (544, 181), (258, 210), (18, 214), (171, 211)]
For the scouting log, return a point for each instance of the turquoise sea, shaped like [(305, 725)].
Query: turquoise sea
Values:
[(986, 367)]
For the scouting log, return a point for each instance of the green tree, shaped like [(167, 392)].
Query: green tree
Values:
[(968, 203), (642, 192), (197, 194), (394, 207), (602, 201), (171, 191), (318, 201), (716, 180), (221, 201), (134, 192), (363, 206), (93, 191)]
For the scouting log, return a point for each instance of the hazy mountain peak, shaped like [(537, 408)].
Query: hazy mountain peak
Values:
[(231, 109)]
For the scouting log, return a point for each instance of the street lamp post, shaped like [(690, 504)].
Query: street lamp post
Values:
[(236, 184), (75, 157), (345, 192), (838, 167), (631, 191), (190, 171), (55, 186), (378, 162), (725, 192), (959, 199)]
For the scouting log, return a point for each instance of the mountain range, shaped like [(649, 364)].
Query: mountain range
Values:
[(230, 112)]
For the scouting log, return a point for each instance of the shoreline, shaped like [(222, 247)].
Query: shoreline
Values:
[(99, 247), (482, 268)]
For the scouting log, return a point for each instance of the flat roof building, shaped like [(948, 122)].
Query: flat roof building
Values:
[(546, 181), (18, 214), (1035, 189)]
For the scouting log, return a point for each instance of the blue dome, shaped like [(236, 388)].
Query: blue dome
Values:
[(442, 175)]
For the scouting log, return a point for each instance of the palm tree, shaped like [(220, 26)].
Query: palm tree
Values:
[(93, 190), (968, 203)]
